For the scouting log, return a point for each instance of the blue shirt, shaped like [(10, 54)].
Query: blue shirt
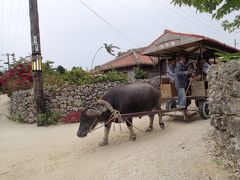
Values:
[(206, 66), (181, 80), (171, 72)]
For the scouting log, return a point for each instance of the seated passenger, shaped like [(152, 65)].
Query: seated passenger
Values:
[(206, 65), (171, 70), (194, 70)]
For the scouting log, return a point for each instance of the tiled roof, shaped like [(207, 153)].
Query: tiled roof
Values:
[(132, 58), (168, 36)]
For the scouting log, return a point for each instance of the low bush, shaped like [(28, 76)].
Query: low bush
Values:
[(47, 119), (18, 118), (139, 73), (19, 77), (72, 117)]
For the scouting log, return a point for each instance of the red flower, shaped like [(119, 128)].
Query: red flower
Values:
[(72, 117), (19, 77)]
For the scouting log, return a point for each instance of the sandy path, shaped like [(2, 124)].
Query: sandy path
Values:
[(49, 153)]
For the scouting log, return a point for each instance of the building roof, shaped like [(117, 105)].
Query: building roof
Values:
[(131, 58), (173, 42)]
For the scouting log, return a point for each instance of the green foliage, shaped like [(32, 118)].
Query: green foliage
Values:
[(18, 118), (60, 70), (51, 76), (139, 73), (224, 57), (76, 76), (47, 67), (115, 76), (47, 119), (218, 8), (231, 26), (110, 48)]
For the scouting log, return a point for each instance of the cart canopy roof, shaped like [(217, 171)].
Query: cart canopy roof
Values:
[(173, 44)]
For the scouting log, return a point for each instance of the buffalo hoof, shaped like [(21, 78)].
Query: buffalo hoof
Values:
[(149, 129), (133, 138), (102, 143), (162, 125)]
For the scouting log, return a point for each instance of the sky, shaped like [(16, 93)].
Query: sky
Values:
[(71, 34)]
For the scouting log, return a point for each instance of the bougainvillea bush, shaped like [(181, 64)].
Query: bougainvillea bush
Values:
[(19, 77), (72, 117)]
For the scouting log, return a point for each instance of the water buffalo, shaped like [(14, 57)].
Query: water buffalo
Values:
[(126, 99)]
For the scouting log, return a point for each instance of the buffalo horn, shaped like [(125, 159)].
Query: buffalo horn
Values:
[(106, 104), (92, 112)]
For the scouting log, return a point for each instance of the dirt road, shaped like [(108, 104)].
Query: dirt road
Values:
[(56, 153)]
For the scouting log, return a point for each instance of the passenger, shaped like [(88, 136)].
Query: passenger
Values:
[(191, 67), (181, 81), (206, 65), (171, 70), (194, 71)]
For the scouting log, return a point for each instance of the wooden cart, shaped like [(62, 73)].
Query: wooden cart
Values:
[(195, 47)]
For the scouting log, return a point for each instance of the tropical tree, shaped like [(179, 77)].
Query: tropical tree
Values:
[(110, 48), (219, 10), (60, 69)]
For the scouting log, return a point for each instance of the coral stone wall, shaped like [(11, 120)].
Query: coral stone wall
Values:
[(63, 100), (224, 104)]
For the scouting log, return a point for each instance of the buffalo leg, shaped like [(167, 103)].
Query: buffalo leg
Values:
[(106, 133), (150, 127), (130, 127), (161, 123)]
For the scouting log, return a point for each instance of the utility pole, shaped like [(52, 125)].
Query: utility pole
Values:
[(8, 60), (1, 65), (36, 60), (13, 57), (235, 43)]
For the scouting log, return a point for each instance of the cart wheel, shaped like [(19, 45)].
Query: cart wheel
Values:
[(197, 102), (203, 109), (171, 104)]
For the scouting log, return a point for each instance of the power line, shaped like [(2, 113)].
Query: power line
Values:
[(19, 14), (138, 13), (9, 26), (110, 25), (163, 15), (193, 22), (24, 26), (207, 23), (3, 27)]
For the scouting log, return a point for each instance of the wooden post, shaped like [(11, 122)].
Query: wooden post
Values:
[(159, 67), (8, 60), (201, 51), (36, 59), (13, 57), (235, 43)]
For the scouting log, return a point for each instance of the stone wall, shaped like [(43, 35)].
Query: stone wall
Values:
[(63, 100), (224, 104)]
